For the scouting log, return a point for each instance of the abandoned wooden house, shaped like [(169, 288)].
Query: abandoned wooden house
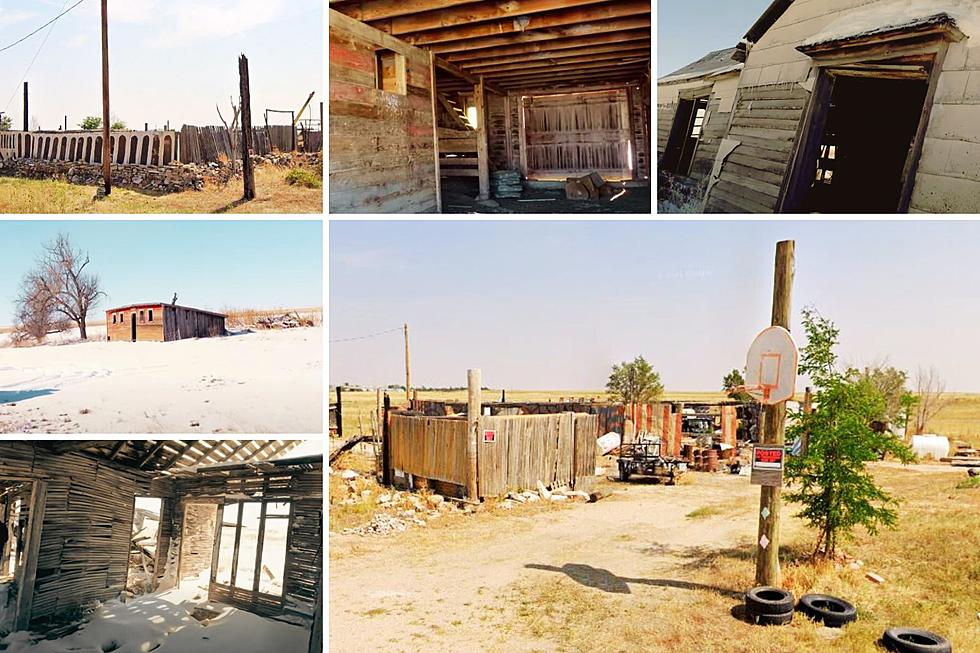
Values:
[(437, 103), (159, 322), (852, 106), (238, 517)]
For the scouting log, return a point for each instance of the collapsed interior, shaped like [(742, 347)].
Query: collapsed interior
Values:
[(436, 106), (240, 521)]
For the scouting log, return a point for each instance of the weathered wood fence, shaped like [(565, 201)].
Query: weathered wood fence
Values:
[(212, 144), (558, 450)]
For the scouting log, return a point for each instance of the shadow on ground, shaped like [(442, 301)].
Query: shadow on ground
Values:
[(15, 396), (605, 580)]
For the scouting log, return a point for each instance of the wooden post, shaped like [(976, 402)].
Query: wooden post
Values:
[(435, 128), (27, 574), (385, 443), (808, 410), (482, 152), (767, 570), (474, 409), (106, 145), (26, 120), (248, 171), (408, 369), (340, 413)]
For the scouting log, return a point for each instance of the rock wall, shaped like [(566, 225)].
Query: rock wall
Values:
[(172, 178)]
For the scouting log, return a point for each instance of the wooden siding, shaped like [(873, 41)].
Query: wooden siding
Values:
[(180, 322), (532, 448), (461, 144), (640, 108), (169, 323), (497, 132), (765, 123), (429, 447), (381, 143)]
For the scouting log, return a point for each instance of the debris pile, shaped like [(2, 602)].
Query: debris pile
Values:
[(591, 187), (964, 456), (506, 183), (283, 321)]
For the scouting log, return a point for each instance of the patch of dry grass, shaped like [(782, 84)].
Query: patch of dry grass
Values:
[(274, 195), (930, 565)]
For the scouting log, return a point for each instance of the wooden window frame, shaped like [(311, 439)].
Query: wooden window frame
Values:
[(401, 71), (702, 92), (925, 45)]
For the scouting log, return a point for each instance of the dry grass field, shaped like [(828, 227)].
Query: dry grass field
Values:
[(960, 419), (274, 195)]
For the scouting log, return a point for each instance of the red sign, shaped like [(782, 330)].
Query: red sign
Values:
[(768, 457), (490, 437)]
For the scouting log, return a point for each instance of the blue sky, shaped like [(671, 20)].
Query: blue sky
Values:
[(552, 305), (210, 265), (169, 59), (689, 29)]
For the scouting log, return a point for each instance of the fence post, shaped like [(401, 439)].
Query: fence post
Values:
[(473, 414), (386, 444), (247, 171)]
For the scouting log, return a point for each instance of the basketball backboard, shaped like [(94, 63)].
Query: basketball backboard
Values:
[(770, 367)]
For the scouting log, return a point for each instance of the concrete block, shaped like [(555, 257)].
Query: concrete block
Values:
[(750, 76), (963, 160), (973, 56), (794, 72), (971, 92), (937, 194), (951, 86), (770, 75), (955, 122), (956, 57), (935, 154)]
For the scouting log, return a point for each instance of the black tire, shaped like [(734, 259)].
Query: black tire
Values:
[(913, 640), (830, 610), (772, 619), (768, 601), (624, 473)]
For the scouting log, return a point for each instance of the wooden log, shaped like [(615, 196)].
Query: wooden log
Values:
[(248, 171)]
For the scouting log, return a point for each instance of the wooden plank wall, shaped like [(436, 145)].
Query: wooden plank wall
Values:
[(182, 323), (461, 143), (429, 447), (765, 121), (497, 132), (215, 144), (712, 132), (381, 144), (640, 106), (532, 448)]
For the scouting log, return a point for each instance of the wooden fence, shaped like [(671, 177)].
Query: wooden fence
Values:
[(558, 450), (212, 144)]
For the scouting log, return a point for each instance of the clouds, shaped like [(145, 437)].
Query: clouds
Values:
[(10, 17), (191, 20)]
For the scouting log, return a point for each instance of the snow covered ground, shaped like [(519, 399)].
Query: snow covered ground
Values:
[(164, 623), (262, 382)]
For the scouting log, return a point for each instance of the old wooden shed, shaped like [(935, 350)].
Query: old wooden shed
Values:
[(855, 106), (429, 93), (69, 506), (159, 322)]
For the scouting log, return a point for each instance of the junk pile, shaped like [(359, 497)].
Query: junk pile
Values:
[(591, 187), (506, 183), (284, 321), (964, 456)]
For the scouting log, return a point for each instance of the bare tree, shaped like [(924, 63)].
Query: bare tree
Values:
[(34, 316), (930, 390), (61, 281)]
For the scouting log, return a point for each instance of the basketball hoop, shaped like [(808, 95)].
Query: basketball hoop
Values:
[(770, 367)]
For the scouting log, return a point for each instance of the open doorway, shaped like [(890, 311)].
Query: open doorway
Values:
[(16, 498), (860, 160), (685, 134), (197, 543), (143, 546)]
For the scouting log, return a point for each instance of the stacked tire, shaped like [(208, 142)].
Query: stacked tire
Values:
[(769, 606)]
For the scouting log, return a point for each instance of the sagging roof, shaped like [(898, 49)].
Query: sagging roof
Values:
[(155, 304), (713, 63), (161, 455), (519, 45)]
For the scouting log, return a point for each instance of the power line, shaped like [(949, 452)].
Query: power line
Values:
[(370, 335), (21, 40), (36, 54)]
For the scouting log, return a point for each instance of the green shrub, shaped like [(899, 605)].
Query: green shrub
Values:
[(303, 177)]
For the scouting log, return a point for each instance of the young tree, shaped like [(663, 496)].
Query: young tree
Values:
[(890, 382), (730, 384), (831, 479), (930, 392), (635, 382), (60, 279), (118, 124), (6, 123), (91, 122)]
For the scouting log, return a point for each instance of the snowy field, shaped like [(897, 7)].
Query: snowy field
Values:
[(164, 623), (261, 382)]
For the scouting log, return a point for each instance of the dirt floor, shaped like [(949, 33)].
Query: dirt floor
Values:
[(458, 197), (273, 195), (651, 568)]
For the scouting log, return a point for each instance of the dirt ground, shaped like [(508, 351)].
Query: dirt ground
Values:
[(653, 568), (458, 194)]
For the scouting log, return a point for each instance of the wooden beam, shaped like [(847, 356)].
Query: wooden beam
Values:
[(462, 74), (368, 10), (67, 446), (148, 457), (640, 46), (27, 577), (569, 16), (180, 454), (482, 148), (552, 78), (435, 129), (604, 58), (490, 54), (552, 34), (476, 13), (450, 110), (572, 88), (115, 450)]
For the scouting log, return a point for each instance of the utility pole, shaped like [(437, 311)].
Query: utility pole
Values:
[(408, 368), (773, 428), (473, 414), (106, 145), (26, 125), (247, 171)]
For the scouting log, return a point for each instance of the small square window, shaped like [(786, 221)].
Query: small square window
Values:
[(390, 74), (141, 316), (151, 315), (113, 318)]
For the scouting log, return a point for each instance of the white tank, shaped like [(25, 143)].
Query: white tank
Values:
[(936, 446)]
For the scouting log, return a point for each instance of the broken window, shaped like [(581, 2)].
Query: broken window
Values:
[(390, 73), (151, 315), (685, 135), (252, 546), (141, 317)]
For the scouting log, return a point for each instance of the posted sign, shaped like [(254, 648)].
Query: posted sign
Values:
[(767, 465), (489, 437)]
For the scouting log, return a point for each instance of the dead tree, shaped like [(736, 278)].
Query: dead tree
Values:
[(930, 390), (61, 280), (35, 315)]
